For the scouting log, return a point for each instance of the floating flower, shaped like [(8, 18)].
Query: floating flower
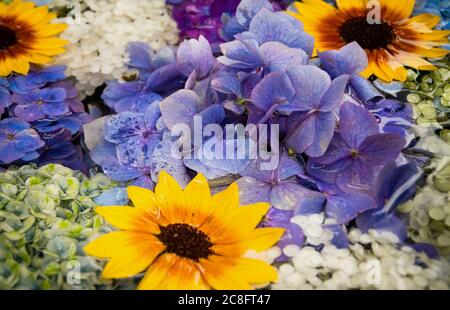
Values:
[(18, 141), (27, 36), (187, 239), (396, 41)]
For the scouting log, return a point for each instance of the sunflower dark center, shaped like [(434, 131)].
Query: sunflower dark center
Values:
[(368, 36), (185, 241), (7, 37)]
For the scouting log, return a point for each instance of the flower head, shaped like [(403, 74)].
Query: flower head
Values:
[(397, 40), (357, 151), (186, 239), (18, 141), (26, 36)]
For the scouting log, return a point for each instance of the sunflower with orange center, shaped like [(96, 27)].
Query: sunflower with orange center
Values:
[(392, 41), (186, 239), (27, 36)]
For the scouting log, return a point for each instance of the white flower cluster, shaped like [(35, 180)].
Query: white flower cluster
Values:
[(429, 211), (372, 261), (99, 31)]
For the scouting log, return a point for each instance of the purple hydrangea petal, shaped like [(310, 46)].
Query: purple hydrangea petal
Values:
[(252, 191), (365, 90), (390, 223), (13, 125), (274, 89), (381, 148), (340, 236), (314, 134), (138, 151), (120, 127), (140, 57), (345, 207), (288, 195), (179, 108), (356, 124), (103, 153), (28, 140), (337, 150), (9, 152), (116, 196), (279, 57), (29, 113), (163, 159), (289, 167), (311, 84), (121, 173), (350, 59), (241, 54), (195, 55), (268, 26), (55, 109), (145, 182), (247, 10), (228, 84), (334, 95), (311, 203), (60, 150)]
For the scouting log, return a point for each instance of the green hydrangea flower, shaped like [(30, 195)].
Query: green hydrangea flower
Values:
[(429, 93), (46, 218), (429, 211)]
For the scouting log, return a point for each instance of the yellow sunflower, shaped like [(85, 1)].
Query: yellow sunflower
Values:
[(395, 41), (26, 36), (186, 239)]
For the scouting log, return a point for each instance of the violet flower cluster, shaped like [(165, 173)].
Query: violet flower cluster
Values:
[(205, 18), (340, 141), (40, 118)]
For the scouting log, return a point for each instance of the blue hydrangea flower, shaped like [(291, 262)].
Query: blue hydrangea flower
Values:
[(351, 60), (5, 96), (279, 187), (394, 186), (357, 152), (40, 103), (156, 70), (337, 204), (50, 104), (319, 98), (195, 57), (135, 135), (18, 141)]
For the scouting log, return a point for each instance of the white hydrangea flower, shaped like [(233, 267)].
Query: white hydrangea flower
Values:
[(374, 260), (99, 31)]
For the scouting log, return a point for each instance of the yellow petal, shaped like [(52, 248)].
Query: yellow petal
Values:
[(48, 43), (226, 201), (158, 272), (220, 273), (198, 200), (114, 243), (143, 198), (129, 218), (427, 19), (170, 198), (6, 66), (263, 238), (133, 256), (236, 225), (184, 275), (20, 65), (50, 30), (256, 271)]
